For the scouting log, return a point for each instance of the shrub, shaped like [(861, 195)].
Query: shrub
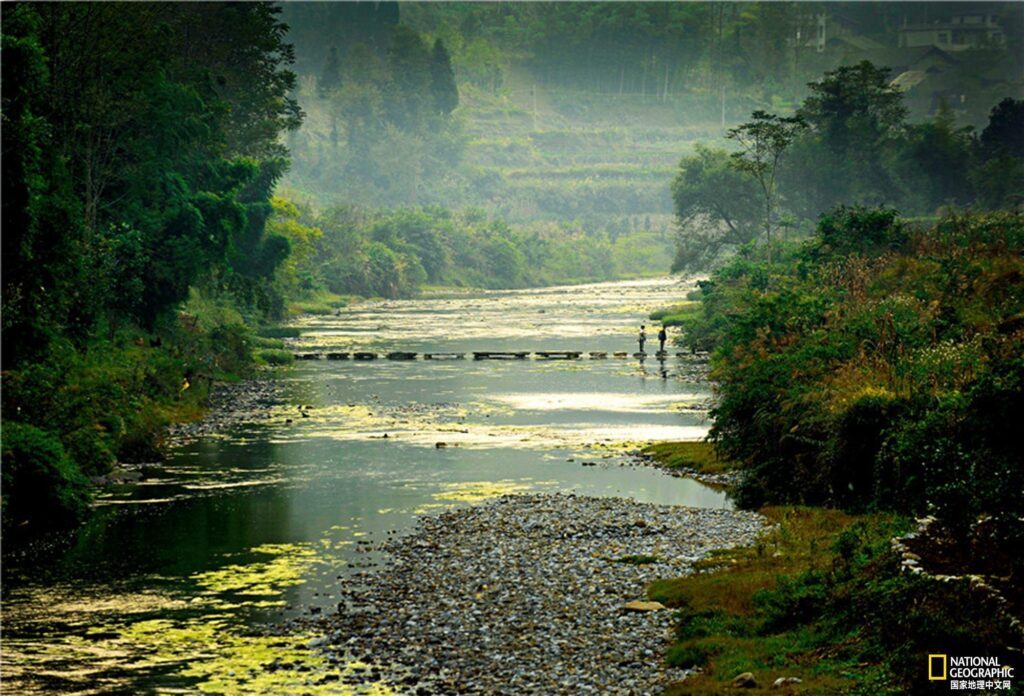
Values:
[(261, 342), (231, 349), (142, 437), (878, 367), (276, 357), (89, 449), (278, 332), (40, 484)]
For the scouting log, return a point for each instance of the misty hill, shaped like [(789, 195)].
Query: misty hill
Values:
[(582, 111)]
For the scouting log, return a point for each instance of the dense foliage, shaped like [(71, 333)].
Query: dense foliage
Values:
[(391, 253), (855, 129), (140, 147), (877, 366), (39, 478), (381, 122)]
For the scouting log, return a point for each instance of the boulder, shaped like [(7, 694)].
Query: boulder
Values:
[(641, 605), (785, 681), (744, 681)]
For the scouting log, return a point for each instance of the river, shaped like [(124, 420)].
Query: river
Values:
[(161, 589)]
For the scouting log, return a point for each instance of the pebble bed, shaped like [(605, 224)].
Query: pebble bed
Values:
[(231, 404), (526, 594)]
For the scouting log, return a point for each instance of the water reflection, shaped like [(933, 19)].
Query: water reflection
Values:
[(161, 589)]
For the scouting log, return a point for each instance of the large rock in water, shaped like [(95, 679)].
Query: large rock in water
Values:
[(744, 681), (640, 605)]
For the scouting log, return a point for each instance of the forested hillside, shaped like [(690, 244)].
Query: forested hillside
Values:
[(854, 127), (580, 108), (141, 145), (577, 114)]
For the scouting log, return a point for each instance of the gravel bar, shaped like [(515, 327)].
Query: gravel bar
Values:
[(230, 405), (527, 594)]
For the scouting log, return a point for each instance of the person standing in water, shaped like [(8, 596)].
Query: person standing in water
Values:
[(662, 337), (642, 338)]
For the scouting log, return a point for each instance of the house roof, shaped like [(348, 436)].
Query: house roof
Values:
[(947, 26), (903, 59), (909, 79), (861, 43)]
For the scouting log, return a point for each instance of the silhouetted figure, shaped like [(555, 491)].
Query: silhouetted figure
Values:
[(662, 336), (642, 338)]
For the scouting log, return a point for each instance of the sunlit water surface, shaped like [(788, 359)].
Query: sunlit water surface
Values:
[(160, 590)]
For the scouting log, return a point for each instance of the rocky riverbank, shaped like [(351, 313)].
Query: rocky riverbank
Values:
[(527, 594), (231, 404), (725, 480)]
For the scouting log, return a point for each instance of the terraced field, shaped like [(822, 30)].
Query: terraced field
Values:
[(605, 156)]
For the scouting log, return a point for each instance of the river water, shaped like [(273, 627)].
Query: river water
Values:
[(162, 590)]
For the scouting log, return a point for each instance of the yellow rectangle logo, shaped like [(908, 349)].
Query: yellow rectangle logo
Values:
[(937, 667)]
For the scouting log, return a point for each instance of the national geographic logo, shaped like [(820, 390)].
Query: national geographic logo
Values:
[(970, 672)]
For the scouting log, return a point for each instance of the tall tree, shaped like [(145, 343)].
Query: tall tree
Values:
[(716, 208), (149, 141), (1000, 178), (409, 76), (763, 141), (854, 114), (330, 77), (939, 157), (1004, 134), (442, 80)]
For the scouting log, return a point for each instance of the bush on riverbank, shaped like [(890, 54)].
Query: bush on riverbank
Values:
[(676, 315), (40, 483), (275, 357), (877, 366), (112, 398), (821, 598)]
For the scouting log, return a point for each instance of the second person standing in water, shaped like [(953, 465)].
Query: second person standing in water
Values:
[(662, 337), (642, 338)]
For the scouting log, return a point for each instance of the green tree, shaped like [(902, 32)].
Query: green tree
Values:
[(41, 215), (299, 274), (763, 141), (407, 91), (939, 158), (716, 207), (481, 64), (238, 54), (1004, 134), (330, 77), (442, 80), (162, 127), (855, 115), (999, 179)]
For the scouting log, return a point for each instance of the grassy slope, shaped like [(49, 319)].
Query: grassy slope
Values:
[(721, 609), (690, 455), (593, 165), (615, 157)]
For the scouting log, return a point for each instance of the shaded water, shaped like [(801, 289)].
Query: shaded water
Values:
[(159, 591)]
